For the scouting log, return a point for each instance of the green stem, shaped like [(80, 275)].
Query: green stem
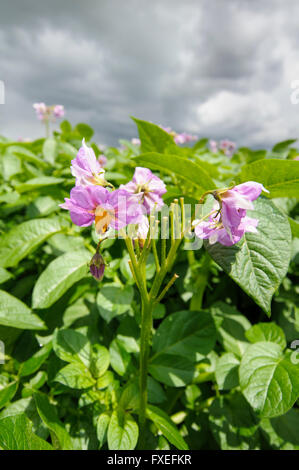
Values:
[(164, 269), (145, 337), (47, 126), (155, 255), (167, 287), (163, 239), (200, 284), (141, 283)]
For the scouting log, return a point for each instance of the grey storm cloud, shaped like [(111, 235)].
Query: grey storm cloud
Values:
[(215, 68)]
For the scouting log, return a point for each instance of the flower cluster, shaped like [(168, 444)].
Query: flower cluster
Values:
[(226, 146), (90, 200), (228, 221), (94, 200), (182, 138), (48, 113)]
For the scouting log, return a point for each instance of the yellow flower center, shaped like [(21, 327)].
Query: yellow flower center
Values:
[(103, 218)]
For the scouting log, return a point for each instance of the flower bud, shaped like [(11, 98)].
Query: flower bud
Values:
[(97, 266)]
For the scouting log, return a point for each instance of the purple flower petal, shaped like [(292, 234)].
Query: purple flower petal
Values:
[(148, 187), (250, 190), (86, 168)]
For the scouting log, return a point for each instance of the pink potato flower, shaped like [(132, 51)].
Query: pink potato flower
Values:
[(213, 146), (58, 111), (228, 147), (135, 141), (147, 187), (41, 110), (86, 168), (229, 221), (184, 138), (48, 113), (102, 159), (114, 209)]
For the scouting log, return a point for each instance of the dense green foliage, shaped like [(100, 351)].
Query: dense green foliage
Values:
[(223, 368)]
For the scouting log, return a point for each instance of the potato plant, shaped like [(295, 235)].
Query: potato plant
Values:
[(169, 321)]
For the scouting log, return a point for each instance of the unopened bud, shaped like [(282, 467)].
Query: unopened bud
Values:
[(140, 242), (97, 266)]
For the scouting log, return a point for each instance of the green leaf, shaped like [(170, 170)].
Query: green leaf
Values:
[(175, 371), (72, 346), (48, 414), (259, 262), (128, 334), (105, 380), (153, 137), (58, 277), (35, 383), (100, 360), (122, 431), (63, 243), (67, 150), (35, 361), (102, 427), (283, 146), (41, 207), (231, 327), (50, 150), (16, 314), (75, 376), (233, 423), (282, 432), (24, 405), (4, 275), (16, 434), (294, 224), (155, 391), (266, 332), (37, 183), (11, 165), (226, 371), (27, 155), (268, 379), (77, 310), (66, 126), (191, 172), (129, 399), (24, 238), (200, 144), (187, 334), (166, 426), (84, 130), (7, 392), (280, 177), (114, 300), (119, 357)]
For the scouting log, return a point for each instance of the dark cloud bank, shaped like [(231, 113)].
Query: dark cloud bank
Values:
[(213, 67)]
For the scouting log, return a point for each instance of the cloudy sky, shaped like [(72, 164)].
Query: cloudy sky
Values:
[(217, 68)]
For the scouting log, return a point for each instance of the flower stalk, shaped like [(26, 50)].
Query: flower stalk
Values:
[(149, 298), (145, 339)]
